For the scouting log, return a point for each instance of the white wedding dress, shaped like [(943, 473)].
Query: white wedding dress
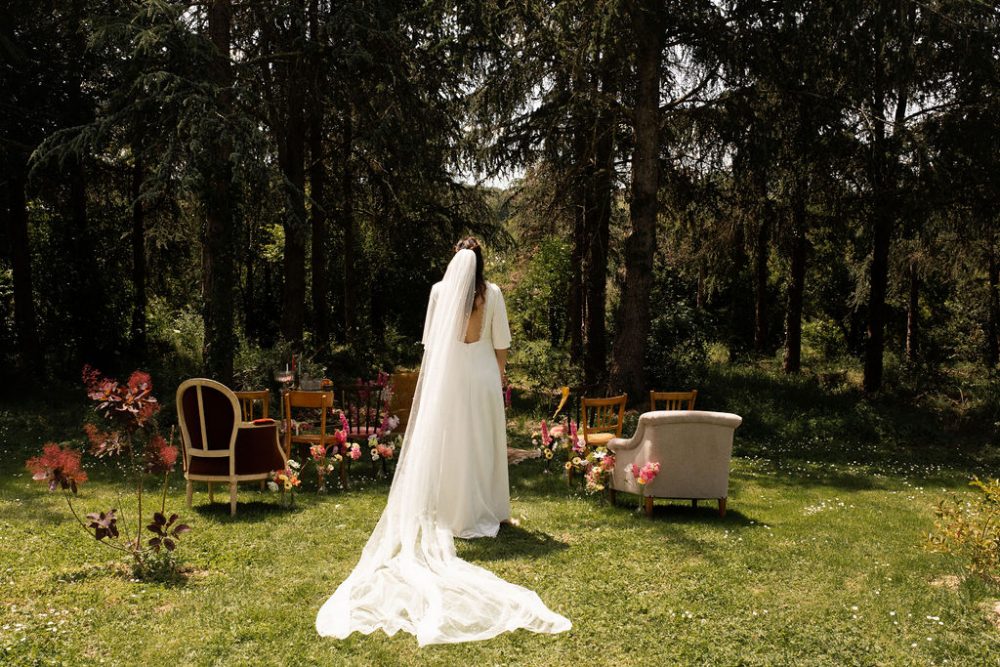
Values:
[(476, 496), (451, 479)]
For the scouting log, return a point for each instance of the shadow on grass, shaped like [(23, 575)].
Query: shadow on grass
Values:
[(681, 512), (250, 511), (511, 541)]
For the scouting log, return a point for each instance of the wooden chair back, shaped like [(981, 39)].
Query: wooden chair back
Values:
[(673, 400), (603, 415), (209, 417), (314, 400), (249, 400), (364, 406), (404, 386)]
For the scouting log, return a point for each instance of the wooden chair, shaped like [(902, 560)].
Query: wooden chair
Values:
[(217, 445), (364, 407), (404, 386), (673, 400), (250, 399), (602, 419), (310, 400)]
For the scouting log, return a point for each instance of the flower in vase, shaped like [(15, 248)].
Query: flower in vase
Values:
[(548, 453), (355, 451), (374, 453)]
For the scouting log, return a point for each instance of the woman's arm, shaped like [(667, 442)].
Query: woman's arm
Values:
[(502, 365), (501, 335)]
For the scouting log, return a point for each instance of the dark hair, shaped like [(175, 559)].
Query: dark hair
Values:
[(470, 243)]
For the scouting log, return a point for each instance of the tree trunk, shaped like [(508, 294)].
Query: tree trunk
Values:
[(217, 244), (884, 188), (993, 325), (84, 300), (25, 324), (349, 226), (760, 280), (595, 356), (138, 259), (796, 287), (629, 352), (317, 187), (577, 256), (292, 160), (875, 342), (912, 307)]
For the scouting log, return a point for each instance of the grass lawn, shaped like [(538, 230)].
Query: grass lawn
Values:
[(820, 560)]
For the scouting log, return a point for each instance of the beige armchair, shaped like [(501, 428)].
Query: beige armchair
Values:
[(693, 449)]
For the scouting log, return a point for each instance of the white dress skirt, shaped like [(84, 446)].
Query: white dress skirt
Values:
[(474, 494)]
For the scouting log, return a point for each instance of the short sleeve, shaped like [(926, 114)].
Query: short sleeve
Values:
[(500, 327), (430, 315)]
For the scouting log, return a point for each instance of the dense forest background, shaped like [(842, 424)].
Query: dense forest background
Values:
[(206, 187)]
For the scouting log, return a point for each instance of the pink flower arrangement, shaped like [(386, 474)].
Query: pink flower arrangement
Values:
[(385, 451), (577, 441), (355, 451), (646, 474)]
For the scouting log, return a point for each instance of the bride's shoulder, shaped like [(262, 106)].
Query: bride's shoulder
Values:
[(492, 287)]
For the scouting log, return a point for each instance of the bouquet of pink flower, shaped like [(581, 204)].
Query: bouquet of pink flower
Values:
[(646, 474), (577, 441), (547, 441)]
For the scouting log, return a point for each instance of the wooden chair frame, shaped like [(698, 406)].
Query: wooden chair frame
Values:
[(673, 399), (606, 413), (249, 399), (230, 452), (316, 400)]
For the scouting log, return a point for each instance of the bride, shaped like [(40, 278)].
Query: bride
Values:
[(451, 481)]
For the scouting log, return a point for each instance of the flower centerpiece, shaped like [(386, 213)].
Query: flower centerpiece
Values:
[(548, 441), (600, 465), (328, 458), (286, 481), (643, 476)]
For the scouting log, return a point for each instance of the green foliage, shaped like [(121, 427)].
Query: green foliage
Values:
[(970, 529), (677, 345), (537, 306), (175, 337), (822, 338)]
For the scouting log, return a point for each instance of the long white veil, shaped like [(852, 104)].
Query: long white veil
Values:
[(408, 577)]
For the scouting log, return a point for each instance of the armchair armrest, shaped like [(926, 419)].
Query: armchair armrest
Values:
[(257, 449), (623, 444)]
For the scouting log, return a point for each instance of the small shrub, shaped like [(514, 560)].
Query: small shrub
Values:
[(127, 410), (823, 338), (970, 530)]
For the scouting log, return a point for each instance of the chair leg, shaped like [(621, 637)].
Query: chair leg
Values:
[(694, 503), (343, 474), (211, 493), (722, 507), (612, 495), (232, 499), (648, 503), (262, 484), (190, 492)]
